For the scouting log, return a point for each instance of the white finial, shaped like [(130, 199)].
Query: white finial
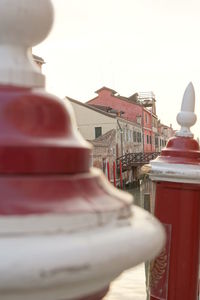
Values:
[(186, 117), (23, 24)]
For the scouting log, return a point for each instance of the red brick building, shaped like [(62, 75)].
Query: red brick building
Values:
[(149, 121), (110, 98), (137, 108)]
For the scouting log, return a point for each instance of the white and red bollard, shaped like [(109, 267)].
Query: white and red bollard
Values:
[(65, 232), (174, 273)]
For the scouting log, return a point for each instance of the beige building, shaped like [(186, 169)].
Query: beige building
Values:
[(164, 134), (93, 123), (110, 135)]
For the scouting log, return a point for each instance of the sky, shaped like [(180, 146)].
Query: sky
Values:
[(127, 45)]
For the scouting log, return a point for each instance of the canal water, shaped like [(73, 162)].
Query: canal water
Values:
[(131, 284)]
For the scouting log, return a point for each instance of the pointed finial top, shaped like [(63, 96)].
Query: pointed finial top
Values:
[(23, 24), (186, 117)]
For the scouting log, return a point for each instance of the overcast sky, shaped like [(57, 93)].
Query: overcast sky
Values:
[(127, 45)]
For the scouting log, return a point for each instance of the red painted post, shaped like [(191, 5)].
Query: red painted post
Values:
[(174, 274), (121, 178), (114, 173), (108, 170), (55, 210)]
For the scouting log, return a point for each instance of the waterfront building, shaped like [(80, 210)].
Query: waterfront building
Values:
[(117, 125), (111, 135), (139, 108)]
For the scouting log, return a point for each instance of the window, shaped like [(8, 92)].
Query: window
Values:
[(129, 135), (147, 139), (139, 119), (156, 141), (125, 134), (150, 140), (146, 118), (134, 137), (139, 137), (98, 132)]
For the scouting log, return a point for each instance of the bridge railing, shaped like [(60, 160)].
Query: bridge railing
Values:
[(135, 159)]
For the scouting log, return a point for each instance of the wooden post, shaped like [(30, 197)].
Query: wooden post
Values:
[(108, 170), (114, 173), (147, 206), (121, 179)]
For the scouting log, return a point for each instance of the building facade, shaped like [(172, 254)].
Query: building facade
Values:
[(138, 108), (164, 134), (149, 121), (111, 135), (116, 125)]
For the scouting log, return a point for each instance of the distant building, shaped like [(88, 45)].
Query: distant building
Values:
[(111, 135), (110, 98), (150, 121), (104, 150), (164, 134), (138, 108), (117, 125)]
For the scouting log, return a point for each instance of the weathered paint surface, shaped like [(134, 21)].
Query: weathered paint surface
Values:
[(65, 232), (62, 265), (177, 205), (106, 98), (131, 111)]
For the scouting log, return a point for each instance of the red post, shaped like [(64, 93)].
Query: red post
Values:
[(174, 274), (120, 170), (114, 173), (55, 208), (108, 170)]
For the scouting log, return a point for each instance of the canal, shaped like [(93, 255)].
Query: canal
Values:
[(131, 284)]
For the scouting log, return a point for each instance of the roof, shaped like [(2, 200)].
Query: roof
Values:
[(133, 97), (106, 88), (108, 109), (105, 139), (136, 98), (91, 107), (94, 108), (38, 59), (115, 94)]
